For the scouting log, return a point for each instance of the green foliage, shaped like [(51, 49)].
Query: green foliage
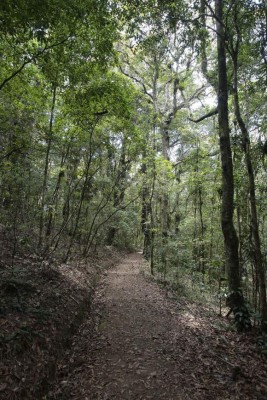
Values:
[(242, 319), (114, 147)]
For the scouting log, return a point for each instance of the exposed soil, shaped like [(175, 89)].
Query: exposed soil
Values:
[(149, 345)]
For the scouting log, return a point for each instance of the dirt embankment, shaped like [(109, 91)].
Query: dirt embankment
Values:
[(41, 307)]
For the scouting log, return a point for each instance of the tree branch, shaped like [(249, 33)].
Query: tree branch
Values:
[(140, 83), (209, 114), (15, 150), (29, 60)]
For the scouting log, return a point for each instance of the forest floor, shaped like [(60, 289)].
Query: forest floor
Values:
[(149, 345), (66, 333), (42, 305)]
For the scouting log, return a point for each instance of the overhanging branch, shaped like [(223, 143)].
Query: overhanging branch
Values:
[(29, 60), (210, 114)]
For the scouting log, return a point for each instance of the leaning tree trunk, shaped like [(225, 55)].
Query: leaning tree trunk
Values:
[(235, 300)]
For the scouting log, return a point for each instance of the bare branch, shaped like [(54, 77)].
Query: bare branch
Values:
[(210, 114), (140, 83), (192, 97)]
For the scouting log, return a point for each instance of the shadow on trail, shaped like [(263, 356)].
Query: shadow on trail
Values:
[(148, 346)]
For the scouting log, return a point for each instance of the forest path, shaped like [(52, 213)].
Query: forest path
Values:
[(149, 346)]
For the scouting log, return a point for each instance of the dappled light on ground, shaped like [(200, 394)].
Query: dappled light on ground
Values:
[(148, 346)]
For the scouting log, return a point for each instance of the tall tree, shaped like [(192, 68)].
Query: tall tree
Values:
[(235, 299), (235, 33)]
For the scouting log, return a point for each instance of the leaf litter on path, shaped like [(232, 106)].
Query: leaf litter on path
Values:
[(150, 346)]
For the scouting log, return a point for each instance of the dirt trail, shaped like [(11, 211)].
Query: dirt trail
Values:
[(148, 346), (132, 362)]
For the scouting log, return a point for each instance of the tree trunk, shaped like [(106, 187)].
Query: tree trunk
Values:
[(146, 214), (119, 190), (46, 166), (236, 300), (259, 267)]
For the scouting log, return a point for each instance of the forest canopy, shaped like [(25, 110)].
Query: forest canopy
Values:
[(139, 124)]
